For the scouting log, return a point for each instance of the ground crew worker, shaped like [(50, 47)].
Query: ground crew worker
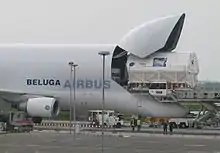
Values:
[(165, 127), (133, 123), (171, 128), (138, 124)]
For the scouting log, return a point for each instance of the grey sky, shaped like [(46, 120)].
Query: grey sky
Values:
[(106, 21)]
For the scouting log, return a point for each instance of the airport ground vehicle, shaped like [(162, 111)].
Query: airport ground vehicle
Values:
[(176, 122), (17, 121), (155, 122), (111, 119), (182, 122)]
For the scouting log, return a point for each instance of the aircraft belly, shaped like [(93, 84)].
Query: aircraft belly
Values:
[(119, 99), (159, 109)]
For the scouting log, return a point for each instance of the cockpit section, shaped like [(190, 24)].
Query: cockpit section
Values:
[(119, 66)]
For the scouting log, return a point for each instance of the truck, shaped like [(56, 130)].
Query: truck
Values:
[(182, 122), (16, 121), (111, 118)]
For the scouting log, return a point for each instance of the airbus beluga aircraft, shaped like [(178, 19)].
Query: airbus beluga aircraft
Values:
[(35, 78)]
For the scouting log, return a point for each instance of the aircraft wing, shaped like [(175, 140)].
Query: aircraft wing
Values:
[(18, 96)]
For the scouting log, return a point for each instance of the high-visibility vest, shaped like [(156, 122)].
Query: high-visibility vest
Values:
[(138, 122)]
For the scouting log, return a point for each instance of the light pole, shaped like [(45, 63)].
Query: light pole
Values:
[(103, 54), (72, 70), (74, 98), (71, 73)]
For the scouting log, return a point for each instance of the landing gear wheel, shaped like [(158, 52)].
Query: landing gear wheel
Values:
[(37, 119)]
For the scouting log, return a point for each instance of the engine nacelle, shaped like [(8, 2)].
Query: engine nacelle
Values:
[(41, 107)]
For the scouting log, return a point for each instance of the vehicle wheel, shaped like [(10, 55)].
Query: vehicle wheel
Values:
[(37, 119), (174, 125), (182, 125), (105, 125), (118, 125)]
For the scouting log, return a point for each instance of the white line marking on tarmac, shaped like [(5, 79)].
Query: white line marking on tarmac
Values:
[(44, 146), (152, 141), (194, 145), (10, 145), (196, 151), (32, 145)]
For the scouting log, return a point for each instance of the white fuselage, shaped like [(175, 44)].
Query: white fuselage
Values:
[(44, 70)]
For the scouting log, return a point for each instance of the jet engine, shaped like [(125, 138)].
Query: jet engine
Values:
[(41, 107)]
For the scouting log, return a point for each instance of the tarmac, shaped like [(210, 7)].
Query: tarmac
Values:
[(204, 131), (207, 132), (87, 142)]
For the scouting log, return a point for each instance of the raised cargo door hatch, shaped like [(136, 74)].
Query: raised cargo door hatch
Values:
[(158, 35)]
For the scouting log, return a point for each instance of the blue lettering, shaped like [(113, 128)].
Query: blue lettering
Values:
[(39, 83), (97, 84), (89, 84), (80, 83), (58, 83), (45, 82), (107, 84), (35, 82), (28, 81), (67, 84), (51, 82)]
